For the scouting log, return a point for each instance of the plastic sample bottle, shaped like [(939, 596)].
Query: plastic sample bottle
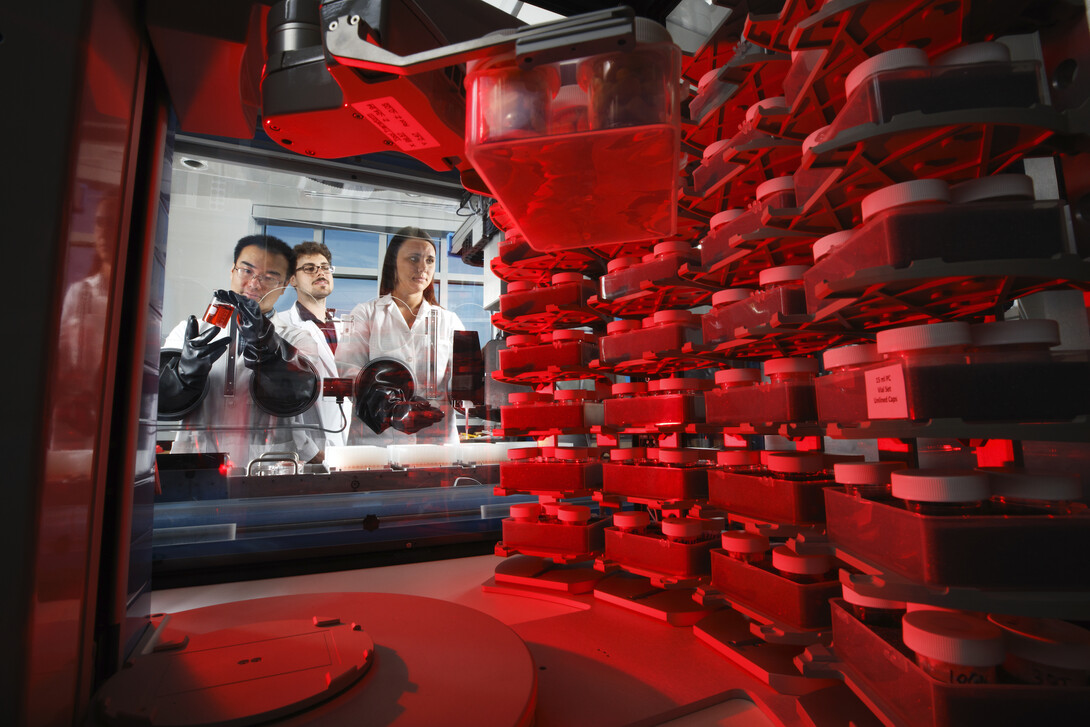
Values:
[(526, 512), (745, 546), (631, 521), (573, 514), (872, 610), (954, 647), (840, 394), (941, 492), (802, 567), (926, 372), (869, 480), (682, 529), (1044, 651)]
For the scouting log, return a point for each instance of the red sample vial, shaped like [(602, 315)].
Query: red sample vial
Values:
[(745, 546), (1044, 651), (869, 480), (954, 647), (941, 492), (218, 313)]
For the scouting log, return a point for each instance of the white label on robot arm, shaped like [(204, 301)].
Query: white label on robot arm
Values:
[(399, 126)]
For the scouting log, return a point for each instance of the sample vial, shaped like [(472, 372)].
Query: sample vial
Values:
[(740, 460), (682, 529), (734, 378), (631, 521), (840, 393), (802, 567), (869, 480), (798, 466), (551, 511), (1044, 650), (872, 610), (940, 492), (954, 647), (745, 546), (526, 512), (1018, 491), (573, 514), (218, 313)]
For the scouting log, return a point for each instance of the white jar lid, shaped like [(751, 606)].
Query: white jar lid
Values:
[(678, 456), (1000, 186), (569, 334), (815, 137), (623, 454), (865, 473), (774, 185), (773, 104), (561, 278), (937, 485), (793, 365), (671, 246), (622, 326), (631, 519), (953, 638), (550, 508), (677, 383), (681, 527), (629, 387), (707, 78), (663, 317), (737, 376), (803, 564), (517, 453), (526, 511), (781, 274), (855, 597), (714, 148), (573, 453), (1034, 485), (738, 458), (721, 218), (573, 395), (1046, 641), (519, 286), (986, 52), (1040, 331), (930, 335), (824, 245), (853, 355), (918, 191), (795, 462), (523, 339), (730, 295), (621, 263), (742, 541), (576, 514), (527, 397), (889, 61)]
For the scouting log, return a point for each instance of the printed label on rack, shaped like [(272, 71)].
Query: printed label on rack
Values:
[(396, 123), (886, 397)]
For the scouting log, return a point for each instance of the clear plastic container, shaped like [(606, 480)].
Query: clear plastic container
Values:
[(567, 409), (788, 489), (663, 475), (787, 397), (721, 299), (870, 480), (839, 394), (553, 471), (559, 531), (1044, 651), (940, 492), (952, 647), (670, 402), (562, 349), (781, 295), (667, 330), (567, 187), (566, 290), (677, 548), (635, 275)]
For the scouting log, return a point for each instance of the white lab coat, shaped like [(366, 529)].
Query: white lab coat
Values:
[(330, 413), (235, 425), (378, 330)]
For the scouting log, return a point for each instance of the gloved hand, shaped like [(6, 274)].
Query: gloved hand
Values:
[(255, 331), (183, 378), (413, 415), (384, 398)]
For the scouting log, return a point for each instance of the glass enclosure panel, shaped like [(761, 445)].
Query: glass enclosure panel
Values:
[(281, 432)]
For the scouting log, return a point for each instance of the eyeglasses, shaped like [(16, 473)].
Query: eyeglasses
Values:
[(312, 269), (269, 280)]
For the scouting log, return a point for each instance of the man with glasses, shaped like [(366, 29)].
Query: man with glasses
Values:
[(313, 282), (248, 387)]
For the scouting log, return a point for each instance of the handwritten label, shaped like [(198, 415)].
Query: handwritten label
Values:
[(399, 126), (886, 393)]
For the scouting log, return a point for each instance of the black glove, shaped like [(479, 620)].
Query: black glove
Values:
[(283, 384), (183, 376), (384, 398)]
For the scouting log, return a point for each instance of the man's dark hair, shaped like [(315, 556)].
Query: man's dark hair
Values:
[(388, 278), (313, 248), (269, 244)]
